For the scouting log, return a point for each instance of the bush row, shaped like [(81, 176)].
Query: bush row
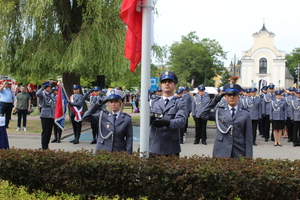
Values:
[(129, 176)]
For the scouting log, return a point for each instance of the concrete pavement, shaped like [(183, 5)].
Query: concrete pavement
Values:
[(263, 150)]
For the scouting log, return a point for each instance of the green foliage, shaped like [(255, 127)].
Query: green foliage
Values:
[(129, 176), (292, 63), (225, 78), (198, 59), (41, 39)]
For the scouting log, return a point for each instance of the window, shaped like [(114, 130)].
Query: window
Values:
[(263, 66)]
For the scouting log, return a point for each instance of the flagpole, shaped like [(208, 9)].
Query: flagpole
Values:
[(145, 78)]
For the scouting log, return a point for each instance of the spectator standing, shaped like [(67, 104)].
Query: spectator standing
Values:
[(22, 104), (168, 116), (47, 104), (76, 111), (6, 101), (115, 127)]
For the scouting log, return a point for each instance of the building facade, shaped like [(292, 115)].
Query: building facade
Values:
[(263, 63)]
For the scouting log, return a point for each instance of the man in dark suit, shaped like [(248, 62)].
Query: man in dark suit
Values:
[(234, 128), (168, 116)]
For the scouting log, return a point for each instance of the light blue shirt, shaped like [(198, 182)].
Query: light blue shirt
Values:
[(6, 95)]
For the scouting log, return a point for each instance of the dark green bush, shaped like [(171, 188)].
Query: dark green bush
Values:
[(127, 176)]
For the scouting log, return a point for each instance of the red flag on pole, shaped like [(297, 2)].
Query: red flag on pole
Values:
[(133, 20)]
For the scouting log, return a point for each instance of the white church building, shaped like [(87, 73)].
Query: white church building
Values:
[(264, 63)]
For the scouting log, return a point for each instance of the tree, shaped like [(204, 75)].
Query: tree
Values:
[(41, 39), (225, 78), (198, 59), (292, 63)]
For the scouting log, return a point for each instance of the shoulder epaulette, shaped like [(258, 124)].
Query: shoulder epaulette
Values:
[(105, 111), (243, 108)]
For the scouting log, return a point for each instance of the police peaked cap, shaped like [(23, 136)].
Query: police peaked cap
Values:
[(271, 86), (252, 90), (96, 88), (277, 92), (115, 94), (168, 75), (201, 87), (264, 88), (76, 86), (292, 89), (158, 89), (297, 91), (178, 92), (46, 84), (232, 88)]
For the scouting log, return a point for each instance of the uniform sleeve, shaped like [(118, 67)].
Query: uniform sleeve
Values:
[(206, 113), (129, 137), (89, 114), (248, 138), (39, 93)]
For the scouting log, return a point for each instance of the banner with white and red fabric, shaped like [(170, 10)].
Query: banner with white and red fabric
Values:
[(61, 107)]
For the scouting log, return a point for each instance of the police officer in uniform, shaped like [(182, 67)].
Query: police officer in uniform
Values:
[(266, 110), (295, 117), (115, 127), (234, 128), (188, 102), (289, 123), (76, 111), (168, 116), (93, 99), (200, 100), (47, 104), (254, 106)]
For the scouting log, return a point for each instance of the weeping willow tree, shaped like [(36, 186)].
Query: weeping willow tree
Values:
[(42, 39)]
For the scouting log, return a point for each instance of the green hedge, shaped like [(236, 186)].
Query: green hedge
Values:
[(111, 174)]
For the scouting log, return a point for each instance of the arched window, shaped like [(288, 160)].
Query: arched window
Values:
[(263, 66)]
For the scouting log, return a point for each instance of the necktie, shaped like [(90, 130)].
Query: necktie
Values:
[(115, 117), (253, 99), (201, 98), (232, 113), (167, 101)]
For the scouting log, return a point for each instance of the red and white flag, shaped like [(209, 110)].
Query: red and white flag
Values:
[(133, 20), (61, 107)]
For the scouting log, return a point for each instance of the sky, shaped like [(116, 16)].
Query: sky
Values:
[(230, 22)]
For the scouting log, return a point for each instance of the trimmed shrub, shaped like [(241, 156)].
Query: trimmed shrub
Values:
[(129, 176)]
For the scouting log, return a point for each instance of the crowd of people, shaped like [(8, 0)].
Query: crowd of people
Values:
[(238, 113)]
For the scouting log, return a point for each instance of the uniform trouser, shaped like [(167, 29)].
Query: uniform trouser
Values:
[(267, 127), (47, 124), (57, 131), (94, 128), (76, 127), (6, 109), (187, 123), (261, 126), (200, 129), (296, 135), (22, 114), (254, 128), (290, 124)]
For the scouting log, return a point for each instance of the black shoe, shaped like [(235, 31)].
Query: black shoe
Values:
[(254, 144), (72, 141), (94, 141), (289, 140), (181, 142), (54, 140), (262, 136), (76, 142), (295, 145), (196, 141), (266, 140), (204, 142)]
